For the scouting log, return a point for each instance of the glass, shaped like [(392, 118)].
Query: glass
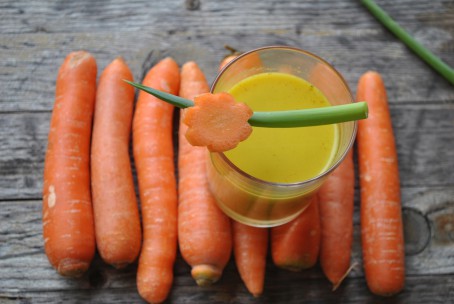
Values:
[(260, 203)]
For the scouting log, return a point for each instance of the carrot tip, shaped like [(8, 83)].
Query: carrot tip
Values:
[(206, 275), (339, 282), (256, 294), (296, 265), (291, 268), (78, 57), (72, 268), (120, 265), (255, 287)]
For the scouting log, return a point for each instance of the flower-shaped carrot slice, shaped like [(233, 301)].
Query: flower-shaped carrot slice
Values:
[(217, 121)]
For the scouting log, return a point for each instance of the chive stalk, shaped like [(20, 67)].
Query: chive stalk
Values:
[(280, 119), (172, 99), (435, 62), (310, 117)]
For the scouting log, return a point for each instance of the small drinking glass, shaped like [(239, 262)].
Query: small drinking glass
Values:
[(261, 203)]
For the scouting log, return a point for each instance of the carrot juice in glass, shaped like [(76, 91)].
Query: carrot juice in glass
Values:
[(269, 178)]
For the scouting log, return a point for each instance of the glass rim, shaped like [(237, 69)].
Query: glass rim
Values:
[(317, 177)]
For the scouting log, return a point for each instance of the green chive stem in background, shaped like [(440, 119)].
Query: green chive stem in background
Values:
[(281, 119), (445, 70)]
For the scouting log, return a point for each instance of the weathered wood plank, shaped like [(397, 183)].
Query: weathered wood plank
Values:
[(81, 16), (425, 289), (26, 275), (43, 33), (23, 141), (424, 133), (31, 62)]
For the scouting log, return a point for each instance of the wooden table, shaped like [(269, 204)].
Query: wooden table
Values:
[(35, 36)]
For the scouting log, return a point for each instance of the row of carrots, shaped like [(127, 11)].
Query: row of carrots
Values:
[(89, 199)]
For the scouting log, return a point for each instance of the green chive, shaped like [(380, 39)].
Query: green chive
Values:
[(310, 117), (281, 119), (172, 99), (435, 62)]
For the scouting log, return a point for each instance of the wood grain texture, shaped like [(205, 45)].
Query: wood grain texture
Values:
[(35, 37), (425, 289)]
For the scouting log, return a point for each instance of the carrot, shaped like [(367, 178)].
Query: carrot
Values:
[(204, 232), (68, 232), (250, 246), (381, 218), (336, 198), (295, 245), (226, 60), (217, 121), (153, 155), (252, 62), (117, 222), (233, 53)]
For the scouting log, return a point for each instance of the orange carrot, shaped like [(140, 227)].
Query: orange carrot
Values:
[(217, 121), (336, 198), (247, 66), (381, 218), (233, 53), (250, 246), (226, 60), (68, 232), (117, 222), (154, 159), (204, 232), (251, 62), (295, 245)]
